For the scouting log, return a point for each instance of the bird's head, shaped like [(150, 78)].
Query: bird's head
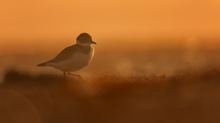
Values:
[(84, 39)]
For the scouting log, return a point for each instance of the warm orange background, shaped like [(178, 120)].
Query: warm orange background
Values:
[(57, 19), (39, 29)]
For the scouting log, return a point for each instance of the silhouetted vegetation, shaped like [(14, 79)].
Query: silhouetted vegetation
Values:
[(186, 97)]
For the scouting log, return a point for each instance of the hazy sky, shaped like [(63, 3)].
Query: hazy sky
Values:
[(36, 28), (37, 21)]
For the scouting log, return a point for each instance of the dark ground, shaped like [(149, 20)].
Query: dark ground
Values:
[(188, 97)]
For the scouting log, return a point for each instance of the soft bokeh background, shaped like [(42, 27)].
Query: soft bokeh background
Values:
[(135, 36), (173, 43)]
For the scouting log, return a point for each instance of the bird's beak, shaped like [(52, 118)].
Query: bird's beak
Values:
[(93, 42)]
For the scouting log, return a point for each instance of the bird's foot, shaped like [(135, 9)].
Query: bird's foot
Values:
[(75, 75)]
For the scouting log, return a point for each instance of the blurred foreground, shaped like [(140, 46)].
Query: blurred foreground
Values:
[(188, 97)]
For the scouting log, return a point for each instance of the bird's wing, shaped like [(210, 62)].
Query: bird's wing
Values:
[(65, 53)]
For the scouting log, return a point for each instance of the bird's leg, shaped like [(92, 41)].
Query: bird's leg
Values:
[(64, 74), (75, 75)]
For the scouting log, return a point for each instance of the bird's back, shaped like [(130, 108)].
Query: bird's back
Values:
[(65, 53)]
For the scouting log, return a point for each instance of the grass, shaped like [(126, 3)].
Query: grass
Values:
[(186, 97)]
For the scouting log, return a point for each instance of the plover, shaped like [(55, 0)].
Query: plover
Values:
[(75, 57)]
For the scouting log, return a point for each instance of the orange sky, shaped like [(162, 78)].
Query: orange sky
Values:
[(33, 20), (32, 31)]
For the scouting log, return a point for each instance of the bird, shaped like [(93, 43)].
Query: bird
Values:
[(74, 57)]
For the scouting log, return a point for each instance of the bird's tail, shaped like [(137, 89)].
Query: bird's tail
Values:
[(43, 64)]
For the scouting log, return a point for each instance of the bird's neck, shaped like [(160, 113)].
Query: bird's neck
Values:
[(83, 45), (85, 49)]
